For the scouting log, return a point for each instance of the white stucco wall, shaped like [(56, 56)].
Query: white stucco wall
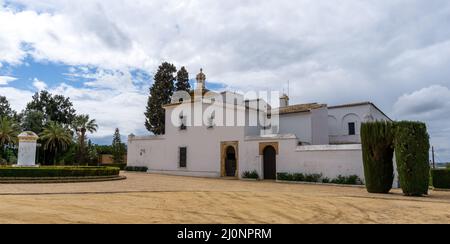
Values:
[(339, 117), (299, 124), (329, 160), (319, 126), (161, 154)]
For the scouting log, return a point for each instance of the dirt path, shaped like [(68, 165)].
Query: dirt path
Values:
[(144, 198)]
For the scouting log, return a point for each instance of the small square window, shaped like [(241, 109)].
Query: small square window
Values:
[(352, 128), (183, 157)]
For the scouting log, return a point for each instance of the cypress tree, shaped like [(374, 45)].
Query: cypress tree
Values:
[(412, 148), (160, 94), (118, 148), (378, 151), (183, 80)]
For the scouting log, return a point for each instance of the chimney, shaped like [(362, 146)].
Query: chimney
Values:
[(284, 101)]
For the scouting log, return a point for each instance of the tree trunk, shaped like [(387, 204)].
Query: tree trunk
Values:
[(82, 147)]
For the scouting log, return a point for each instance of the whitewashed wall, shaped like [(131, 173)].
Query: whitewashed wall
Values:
[(339, 117), (329, 160), (161, 154), (299, 124)]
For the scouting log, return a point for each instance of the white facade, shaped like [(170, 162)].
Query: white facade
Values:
[(340, 116), (312, 139)]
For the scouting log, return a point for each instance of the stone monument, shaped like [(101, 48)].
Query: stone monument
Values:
[(27, 149)]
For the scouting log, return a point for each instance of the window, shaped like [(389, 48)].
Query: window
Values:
[(183, 157), (183, 122), (352, 128)]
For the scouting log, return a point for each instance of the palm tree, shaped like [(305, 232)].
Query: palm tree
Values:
[(55, 136), (82, 124), (8, 133)]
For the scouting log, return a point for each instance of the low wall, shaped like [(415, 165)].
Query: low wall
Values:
[(329, 160), (186, 173)]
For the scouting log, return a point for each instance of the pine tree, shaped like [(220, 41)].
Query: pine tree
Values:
[(183, 80), (5, 108), (118, 148), (160, 94)]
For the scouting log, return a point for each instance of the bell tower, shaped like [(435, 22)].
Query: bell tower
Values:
[(201, 80)]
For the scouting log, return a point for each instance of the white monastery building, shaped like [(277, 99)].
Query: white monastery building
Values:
[(211, 134)]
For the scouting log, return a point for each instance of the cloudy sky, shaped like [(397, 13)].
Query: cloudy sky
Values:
[(102, 54)]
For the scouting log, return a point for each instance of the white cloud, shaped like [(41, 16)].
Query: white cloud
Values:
[(4, 80), (112, 108), (39, 85), (427, 103), (431, 106), (17, 98)]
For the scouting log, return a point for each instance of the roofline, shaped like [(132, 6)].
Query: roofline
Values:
[(360, 104)]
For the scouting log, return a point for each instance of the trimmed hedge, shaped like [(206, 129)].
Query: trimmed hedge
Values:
[(299, 177), (317, 178), (250, 175), (412, 155), (53, 171), (347, 180), (441, 178), (377, 139), (120, 166), (136, 168)]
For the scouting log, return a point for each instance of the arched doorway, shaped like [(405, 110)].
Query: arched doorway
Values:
[(230, 162), (270, 163)]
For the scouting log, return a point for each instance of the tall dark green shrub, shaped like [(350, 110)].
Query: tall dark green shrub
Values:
[(412, 148), (377, 140)]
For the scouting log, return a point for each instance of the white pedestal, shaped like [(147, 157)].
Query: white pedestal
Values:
[(27, 149)]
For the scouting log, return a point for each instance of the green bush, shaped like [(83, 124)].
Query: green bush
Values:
[(441, 178), (136, 168), (313, 177), (299, 177), (377, 140), (412, 155), (347, 180), (283, 176), (120, 166), (250, 175), (53, 171)]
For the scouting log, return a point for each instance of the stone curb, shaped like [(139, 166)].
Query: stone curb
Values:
[(44, 180), (318, 183)]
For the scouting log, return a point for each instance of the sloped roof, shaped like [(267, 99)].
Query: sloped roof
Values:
[(299, 108), (360, 104)]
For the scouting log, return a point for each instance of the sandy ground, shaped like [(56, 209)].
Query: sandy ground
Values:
[(149, 198)]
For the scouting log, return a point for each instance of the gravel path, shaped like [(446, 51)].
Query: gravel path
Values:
[(150, 198)]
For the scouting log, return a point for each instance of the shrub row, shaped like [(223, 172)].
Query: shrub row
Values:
[(37, 172), (250, 175), (299, 177), (347, 180), (441, 178), (411, 143), (136, 168), (120, 166)]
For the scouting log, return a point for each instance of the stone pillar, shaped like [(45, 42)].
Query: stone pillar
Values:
[(27, 149)]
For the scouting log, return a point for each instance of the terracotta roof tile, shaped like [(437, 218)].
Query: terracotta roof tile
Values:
[(298, 108)]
